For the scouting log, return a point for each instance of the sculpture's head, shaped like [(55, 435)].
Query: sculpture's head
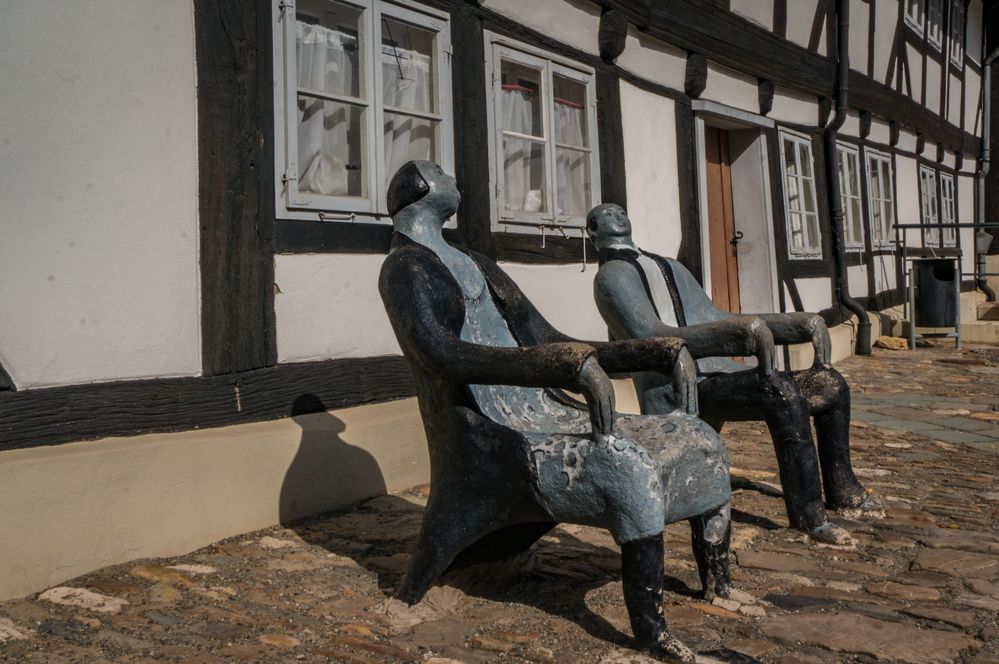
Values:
[(424, 187), (608, 225)]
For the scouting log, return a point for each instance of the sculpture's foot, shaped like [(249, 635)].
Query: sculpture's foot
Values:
[(868, 507), (829, 533), (672, 649)]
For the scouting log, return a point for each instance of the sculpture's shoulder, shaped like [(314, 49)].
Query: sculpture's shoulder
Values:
[(616, 273), (410, 268)]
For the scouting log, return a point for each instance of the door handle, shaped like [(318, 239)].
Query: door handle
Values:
[(735, 240)]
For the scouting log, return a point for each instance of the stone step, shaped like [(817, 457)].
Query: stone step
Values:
[(982, 332), (988, 311)]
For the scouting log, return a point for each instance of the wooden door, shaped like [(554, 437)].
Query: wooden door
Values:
[(721, 222)]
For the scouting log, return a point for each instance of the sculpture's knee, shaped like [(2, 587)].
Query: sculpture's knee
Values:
[(633, 492), (783, 397), (824, 387), (695, 474)]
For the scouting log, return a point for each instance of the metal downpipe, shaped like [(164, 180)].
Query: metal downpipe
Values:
[(983, 170), (863, 346)]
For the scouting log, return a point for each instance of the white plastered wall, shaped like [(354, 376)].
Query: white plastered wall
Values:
[(915, 77), (972, 101), (731, 88), (933, 74), (789, 106), (857, 280), (859, 24), (907, 206), (954, 97), (98, 178), (327, 305), (816, 293), (650, 160), (966, 215), (564, 296), (652, 59), (800, 17), (885, 25), (760, 12), (572, 22)]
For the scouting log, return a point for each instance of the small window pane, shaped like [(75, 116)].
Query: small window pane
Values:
[(329, 55), (330, 145), (407, 66), (789, 159), (521, 99), (573, 182), (570, 112), (797, 233), (856, 221), (809, 195), (805, 160), (408, 138), (523, 175)]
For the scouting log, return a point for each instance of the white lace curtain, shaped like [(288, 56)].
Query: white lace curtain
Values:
[(524, 161), (331, 134)]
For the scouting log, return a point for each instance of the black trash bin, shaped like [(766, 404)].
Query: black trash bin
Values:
[(936, 292)]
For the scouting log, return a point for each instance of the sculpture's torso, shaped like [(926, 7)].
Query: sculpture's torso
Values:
[(525, 409)]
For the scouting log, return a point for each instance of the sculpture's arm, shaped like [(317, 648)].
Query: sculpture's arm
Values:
[(625, 307), (798, 328), (427, 313)]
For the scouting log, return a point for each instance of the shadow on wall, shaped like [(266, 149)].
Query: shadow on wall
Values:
[(327, 472)]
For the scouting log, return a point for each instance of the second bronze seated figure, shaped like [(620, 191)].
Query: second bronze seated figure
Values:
[(510, 454), (641, 295)]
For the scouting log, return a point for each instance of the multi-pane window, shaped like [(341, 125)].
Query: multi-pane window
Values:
[(880, 198), (934, 22), (928, 206), (957, 31), (848, 162), (366, 88), (947, 210), (915, 14), (544, 144), (804, 240), (937, 207)]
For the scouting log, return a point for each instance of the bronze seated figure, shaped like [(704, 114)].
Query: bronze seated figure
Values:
[(511, 455), (644, 296)]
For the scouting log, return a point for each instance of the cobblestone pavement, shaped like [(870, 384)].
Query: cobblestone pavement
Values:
[(921, 586)]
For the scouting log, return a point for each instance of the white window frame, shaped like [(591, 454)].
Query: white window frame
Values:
[(935, 13), (948, 209), (929, 206), (498, 48), (850, 191), (957, 28), (915, 14), (883, 236), (290, 203), (813, 245)]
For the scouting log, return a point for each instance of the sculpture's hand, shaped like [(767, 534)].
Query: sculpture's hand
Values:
[(598, 391), (685, 382), (820, 341), (762, 344)]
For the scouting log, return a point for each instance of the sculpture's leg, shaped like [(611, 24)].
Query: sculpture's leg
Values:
[(778, 401), (710, 535), (642, 578), (829, 400)]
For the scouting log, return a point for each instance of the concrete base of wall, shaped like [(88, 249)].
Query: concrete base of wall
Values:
[(74, 508)]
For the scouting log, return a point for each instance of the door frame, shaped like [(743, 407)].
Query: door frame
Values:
[(726, 117)]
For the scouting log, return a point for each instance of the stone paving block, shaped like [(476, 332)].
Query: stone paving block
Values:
[(958, 436), (907, 426)]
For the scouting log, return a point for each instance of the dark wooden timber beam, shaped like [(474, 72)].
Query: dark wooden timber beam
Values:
[(735, 42), (50, 416)]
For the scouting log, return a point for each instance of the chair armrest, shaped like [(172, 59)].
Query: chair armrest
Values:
[(732, 336), (799, 328), (685, 382)]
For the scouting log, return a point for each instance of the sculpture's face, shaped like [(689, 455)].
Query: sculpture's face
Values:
[(443, 196), (607, 224)]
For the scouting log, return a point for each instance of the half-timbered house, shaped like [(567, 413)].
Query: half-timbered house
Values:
[(191, 338)]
